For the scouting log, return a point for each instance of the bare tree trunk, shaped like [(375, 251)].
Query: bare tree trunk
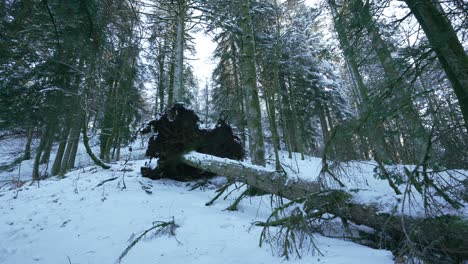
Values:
[(297, 125), (270, 181), (179, 51), (27, 148), (73, 139), (240, 95), (97, 161), (170, 88), (106, 129), (60, 151), (40, 149), (271, 112), (275, 92), (161, 74), (446, 45), (47, 149), (402, 96), (74, 152), (349, 53), (323, 121), (289, 126), (249, 82)]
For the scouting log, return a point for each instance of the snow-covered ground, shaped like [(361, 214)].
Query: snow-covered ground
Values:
[(73, 221), (80, 219), (12, 148)]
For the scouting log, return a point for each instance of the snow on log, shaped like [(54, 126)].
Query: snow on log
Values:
[(444, 235), (256, 176)]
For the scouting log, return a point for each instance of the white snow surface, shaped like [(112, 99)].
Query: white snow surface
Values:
[(73, 221)]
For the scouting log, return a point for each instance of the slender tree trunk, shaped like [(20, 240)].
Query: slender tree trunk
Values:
[(443, 39), (329, 117), (170, 89), (106, 129), (119, 142), (349, 53), (297, 125), (27, 148), (74, 152), (70, 150), (284, 135), (179, 51), (323, 121), (49, 139), (290, 126), (60, 151), (84, 127), (47, 149), (249, 82), (239, 94), (394, 80), (271, 112), (374, 130), (161, 74), (35, 174), (275, 92)]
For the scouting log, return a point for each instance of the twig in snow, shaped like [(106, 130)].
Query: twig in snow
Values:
[(160, 226), (104, 181)]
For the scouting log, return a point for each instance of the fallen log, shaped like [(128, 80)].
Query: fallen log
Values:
[(218, 151), (272, 182), (443, 237)]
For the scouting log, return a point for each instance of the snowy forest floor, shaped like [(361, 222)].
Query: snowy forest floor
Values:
[(85, 219)]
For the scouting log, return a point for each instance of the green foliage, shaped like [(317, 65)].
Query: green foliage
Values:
[(449, 237), (394, 173), (289, 229)]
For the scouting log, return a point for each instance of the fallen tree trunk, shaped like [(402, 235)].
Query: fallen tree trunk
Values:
[(272, 182), (218, 151), (443, 237)]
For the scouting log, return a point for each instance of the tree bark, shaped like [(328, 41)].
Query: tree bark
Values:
[(170, 88), (27, 148), (402, 95), (61, 150), (179, 51), (249, 82), (74, 151), (446, 45), (297, 124), (269, 181), (71, 148), (161, 74), (239, 93), (47, 150), (88, 148), (35, 174), (289, 131)]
